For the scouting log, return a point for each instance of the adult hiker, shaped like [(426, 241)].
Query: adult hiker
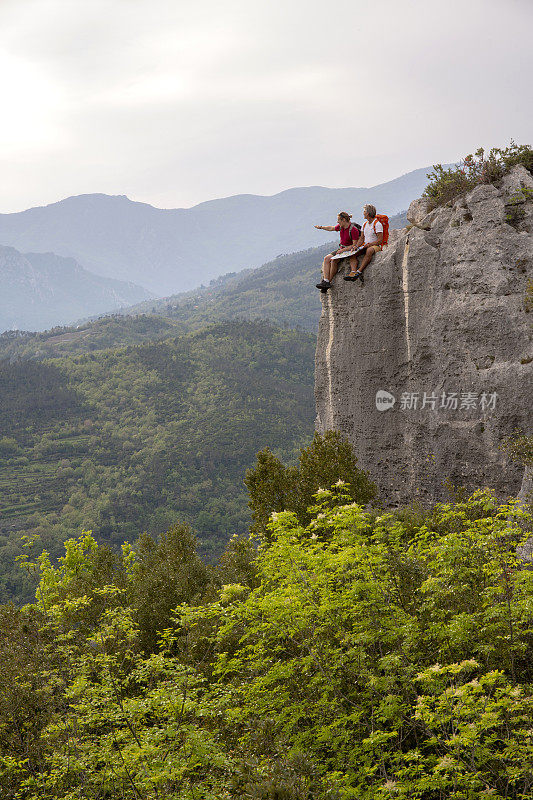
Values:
[(349, 234), (372, 240)]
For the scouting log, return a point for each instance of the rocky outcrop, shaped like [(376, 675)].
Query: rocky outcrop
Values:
[(428, 367)]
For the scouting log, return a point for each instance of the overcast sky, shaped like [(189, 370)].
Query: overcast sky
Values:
[(173, 101)]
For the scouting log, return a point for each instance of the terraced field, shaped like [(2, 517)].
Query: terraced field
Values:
[(37, 481)]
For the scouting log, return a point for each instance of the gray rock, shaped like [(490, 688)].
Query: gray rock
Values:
[(441, 313), (525, 499), (418, 210), (525, 495)]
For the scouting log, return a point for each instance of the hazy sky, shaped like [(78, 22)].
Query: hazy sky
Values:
[(173, 101)]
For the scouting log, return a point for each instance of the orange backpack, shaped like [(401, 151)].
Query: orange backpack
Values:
[(383, 218)]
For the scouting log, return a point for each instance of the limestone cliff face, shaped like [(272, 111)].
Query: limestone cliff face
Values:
[(441, 324)]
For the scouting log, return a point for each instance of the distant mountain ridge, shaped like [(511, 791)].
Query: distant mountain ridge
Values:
[(41, 290), (281, 291), (174, 250)]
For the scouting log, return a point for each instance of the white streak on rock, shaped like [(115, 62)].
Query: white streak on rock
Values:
[(405, 289), (330, 422)]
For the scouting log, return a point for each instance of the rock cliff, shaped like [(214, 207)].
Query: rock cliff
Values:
[(428, 367)]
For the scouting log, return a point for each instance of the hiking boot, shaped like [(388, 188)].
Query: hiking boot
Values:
[(355, 277), (324, 285)]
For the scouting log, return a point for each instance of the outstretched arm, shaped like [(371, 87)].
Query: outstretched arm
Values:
[(325, 227)]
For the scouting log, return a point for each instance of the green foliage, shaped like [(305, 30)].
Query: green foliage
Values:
[(33, 394), (445, 185), (81, 677), (165, 574), (27, 691), (371, 655), (133, 728), (111, 331), (237, 563), (338, 650), (8, 446), (125, 440), (327, 460), (520, 448)]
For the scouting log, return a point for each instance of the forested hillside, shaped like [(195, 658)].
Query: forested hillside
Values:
[(362, 655), (119, 441), (282, 291), (104, 333)]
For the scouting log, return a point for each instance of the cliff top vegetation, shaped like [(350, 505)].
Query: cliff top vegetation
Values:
[(446, 184)]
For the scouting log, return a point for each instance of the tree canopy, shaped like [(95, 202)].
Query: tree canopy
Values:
[(370, 655)]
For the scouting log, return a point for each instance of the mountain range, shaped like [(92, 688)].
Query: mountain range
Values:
[(281, 291), (174, 250), (41, 290)]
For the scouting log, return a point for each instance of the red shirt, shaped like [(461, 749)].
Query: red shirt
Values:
[(348, 235)]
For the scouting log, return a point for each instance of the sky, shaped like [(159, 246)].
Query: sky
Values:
[(173, 102)]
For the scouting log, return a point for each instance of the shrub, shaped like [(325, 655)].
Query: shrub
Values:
[(519, 447), (8, 446), (528, 304), (445, 185)]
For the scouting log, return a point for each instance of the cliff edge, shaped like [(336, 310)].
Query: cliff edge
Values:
[(428, 367)]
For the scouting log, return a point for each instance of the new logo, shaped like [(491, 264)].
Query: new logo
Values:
[(384, 400)]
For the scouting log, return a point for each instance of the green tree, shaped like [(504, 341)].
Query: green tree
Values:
[(330, 459), (28, 694), (166, 573), (396, 662), (273, 487)]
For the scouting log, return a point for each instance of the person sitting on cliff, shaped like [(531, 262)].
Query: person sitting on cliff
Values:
[(371, 242), (349, 233)]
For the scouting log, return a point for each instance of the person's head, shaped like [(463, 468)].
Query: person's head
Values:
[(369, 212), (343, 219)]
